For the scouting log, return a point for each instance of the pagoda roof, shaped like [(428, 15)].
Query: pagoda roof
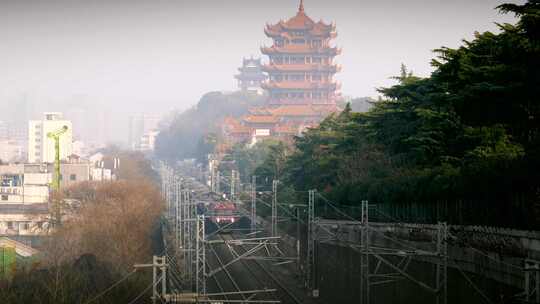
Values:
[(300, 21), (301, 67), (304, 85), (294, 110), (260, 119), (259, 111), (233, 126)]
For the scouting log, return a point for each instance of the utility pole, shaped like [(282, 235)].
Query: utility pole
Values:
[(233, 185), (177, 212), (532, 281), (212, 179), (200, 284), (442, 263), (310, 254), (298, 238), (218, 182), (364, 256), (159, 276), (189, 215), (253, 203), (274, 208)]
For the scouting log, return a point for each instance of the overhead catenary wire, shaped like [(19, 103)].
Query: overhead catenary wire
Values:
[(483, 295), (111, 287), (146, 290)]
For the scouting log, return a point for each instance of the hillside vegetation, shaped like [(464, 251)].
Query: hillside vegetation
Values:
[(192, 134)]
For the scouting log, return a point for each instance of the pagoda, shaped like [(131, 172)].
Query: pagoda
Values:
[(251, 75), (300, 83), (301, 64)]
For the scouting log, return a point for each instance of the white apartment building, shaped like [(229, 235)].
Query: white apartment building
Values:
[(24, 184), (40, 147), (24, 196)]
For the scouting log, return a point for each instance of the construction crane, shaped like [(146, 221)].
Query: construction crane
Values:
[(56, 137)]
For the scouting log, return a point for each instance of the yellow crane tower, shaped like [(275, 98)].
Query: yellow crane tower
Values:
[(55, 135)]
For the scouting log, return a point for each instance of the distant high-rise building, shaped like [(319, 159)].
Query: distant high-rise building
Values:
[(40, 147), (140, 125), (251, 75)]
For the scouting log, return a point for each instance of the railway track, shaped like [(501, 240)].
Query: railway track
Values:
[(264, 277), (244, 275), (224, 276)]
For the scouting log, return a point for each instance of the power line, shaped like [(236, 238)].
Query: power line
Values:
[(111, 287), (483, 295), (146, 290)]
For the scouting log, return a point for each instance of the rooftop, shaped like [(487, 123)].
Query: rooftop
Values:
[(301, 22), (262, 119)]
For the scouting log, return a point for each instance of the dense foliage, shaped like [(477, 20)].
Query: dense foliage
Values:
[(464, 141)]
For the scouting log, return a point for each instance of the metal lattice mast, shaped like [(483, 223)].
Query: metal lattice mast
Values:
[(218, 182), (233, 185), (442, 263), (154, 279), (162, 176), (192, 238), (364, 256), (200, 284), (253, 203), (170, 185), (186, 233), (213, 179), (274, 208), (532, 281), (177, 229), (159, 269), (310, 253)]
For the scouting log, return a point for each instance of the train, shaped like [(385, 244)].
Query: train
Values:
[(222, 213)]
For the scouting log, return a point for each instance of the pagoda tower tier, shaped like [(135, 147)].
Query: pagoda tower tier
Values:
[(301, 64), (251, 75)]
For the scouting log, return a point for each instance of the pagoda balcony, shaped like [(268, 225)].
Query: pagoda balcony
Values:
[(301, 49), (322, 103), (307, 67), (303, 85)]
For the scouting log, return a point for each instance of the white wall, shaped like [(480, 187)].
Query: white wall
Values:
[(37, 178)]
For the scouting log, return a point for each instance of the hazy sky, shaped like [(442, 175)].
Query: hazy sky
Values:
[(155, 55)]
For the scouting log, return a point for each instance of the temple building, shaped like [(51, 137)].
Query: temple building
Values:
[(301, 62), (300, 86), (251, 75)]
